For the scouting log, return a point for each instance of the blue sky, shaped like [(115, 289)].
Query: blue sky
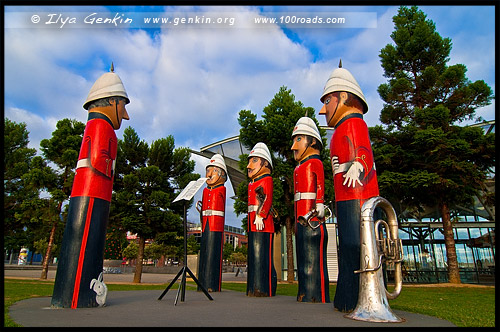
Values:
[(191, 80)]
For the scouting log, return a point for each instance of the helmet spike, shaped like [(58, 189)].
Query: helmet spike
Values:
[(108, 85), (340, 63), (342, 80), (112, 69)]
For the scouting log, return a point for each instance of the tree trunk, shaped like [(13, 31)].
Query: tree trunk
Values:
[(140, 257), (48, 253), (31, 259), (289, 250), (449, 239)]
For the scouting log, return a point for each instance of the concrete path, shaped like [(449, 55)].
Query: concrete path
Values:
[(228, 309)]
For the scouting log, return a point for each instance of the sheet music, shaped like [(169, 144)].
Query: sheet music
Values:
[(190, 190)]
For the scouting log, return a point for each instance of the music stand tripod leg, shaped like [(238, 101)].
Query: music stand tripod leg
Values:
[(198, 283), (170, 285), (182, 287)]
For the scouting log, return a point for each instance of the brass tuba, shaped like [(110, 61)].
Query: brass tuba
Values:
[(373, 304)]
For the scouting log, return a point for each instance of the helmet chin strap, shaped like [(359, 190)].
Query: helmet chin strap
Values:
[(259, 168), (307, 147), (334, 112), (117, 118)]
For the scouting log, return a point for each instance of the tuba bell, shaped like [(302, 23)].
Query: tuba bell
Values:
[(373, 304)]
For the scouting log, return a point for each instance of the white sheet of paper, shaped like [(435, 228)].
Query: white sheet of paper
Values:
[(190, 190)]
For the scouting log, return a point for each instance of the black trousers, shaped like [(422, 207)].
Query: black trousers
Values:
[(210, 264), (261, 276), (348, 221), (312, 271), (82, 253)]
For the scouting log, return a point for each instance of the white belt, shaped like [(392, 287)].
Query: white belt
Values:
[(86, 163), (252, 208), (299, 196), (208, 213), (83, 163)]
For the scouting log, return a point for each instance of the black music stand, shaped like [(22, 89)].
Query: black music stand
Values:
[(186, 195)]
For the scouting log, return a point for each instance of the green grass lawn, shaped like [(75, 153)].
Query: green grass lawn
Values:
[(462, 306)]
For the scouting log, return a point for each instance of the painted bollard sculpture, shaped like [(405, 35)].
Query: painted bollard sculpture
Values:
[(354, 176), (212, 217), (81, 255), (261, 276), (310, 230), (360, 288)]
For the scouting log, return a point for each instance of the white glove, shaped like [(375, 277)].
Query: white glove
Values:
[(320, 208), (352, 175), (259, 223), (335, 164)]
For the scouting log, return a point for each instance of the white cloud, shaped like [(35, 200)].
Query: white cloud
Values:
[(192, 82), (204, 77), (39, 128)]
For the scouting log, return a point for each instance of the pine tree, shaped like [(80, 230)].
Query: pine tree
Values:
[(18, 159), (62, 150), (116, 241), (424, 157), (147, 180), (275, 130)]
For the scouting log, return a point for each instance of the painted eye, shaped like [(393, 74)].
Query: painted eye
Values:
[(327, 101)]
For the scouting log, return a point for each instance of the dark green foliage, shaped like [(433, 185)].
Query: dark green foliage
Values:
[(147, 181), (425, 158), (29, 218), (17, 160), (275, 130), (116, 241)]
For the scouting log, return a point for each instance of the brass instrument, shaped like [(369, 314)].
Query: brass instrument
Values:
[(373, 304), (305, 220), (261, 197)]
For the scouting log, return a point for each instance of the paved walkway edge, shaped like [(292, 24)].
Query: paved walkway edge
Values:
[(228, 309)]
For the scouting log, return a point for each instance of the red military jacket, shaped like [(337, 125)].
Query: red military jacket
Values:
[(213, 207), (309, 181), (351, 142), (95, 167), (266, 182)]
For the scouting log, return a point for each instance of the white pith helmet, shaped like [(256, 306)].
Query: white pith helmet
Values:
[(342, 80), (217, 160), (108, 85), (306, 126), (261, 150)]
